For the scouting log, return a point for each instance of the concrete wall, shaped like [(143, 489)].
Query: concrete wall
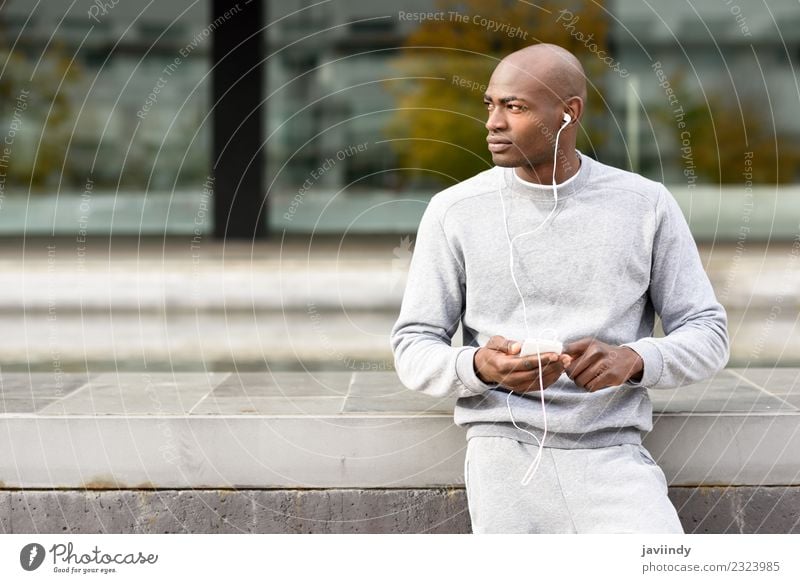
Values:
[(770, 509)]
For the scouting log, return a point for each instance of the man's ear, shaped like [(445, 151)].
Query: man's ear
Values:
[(575, 106)]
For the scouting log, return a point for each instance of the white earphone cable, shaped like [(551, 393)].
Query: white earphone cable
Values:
[(537, 460)]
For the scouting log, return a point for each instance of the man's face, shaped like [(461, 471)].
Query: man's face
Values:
[(523, 118)]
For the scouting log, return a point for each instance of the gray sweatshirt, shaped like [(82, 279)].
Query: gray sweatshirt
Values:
[(616, 252)]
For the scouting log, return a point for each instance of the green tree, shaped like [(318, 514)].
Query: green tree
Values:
[(722, 132), (38, 109)]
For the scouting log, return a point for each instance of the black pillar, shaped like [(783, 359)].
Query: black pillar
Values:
[(237, 55)]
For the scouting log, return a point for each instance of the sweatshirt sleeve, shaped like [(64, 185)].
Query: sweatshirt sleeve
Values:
[(695, 345), (432, 306)]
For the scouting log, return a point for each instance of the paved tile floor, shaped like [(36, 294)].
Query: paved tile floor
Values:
[(334, 393)]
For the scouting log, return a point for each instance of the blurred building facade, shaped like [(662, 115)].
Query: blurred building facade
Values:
[(118, 95)]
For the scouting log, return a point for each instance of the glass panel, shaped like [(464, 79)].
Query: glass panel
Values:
[(717, 88), (105, 105), (371, 104), (405, 83)]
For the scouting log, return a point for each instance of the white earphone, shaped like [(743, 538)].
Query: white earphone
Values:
[(535, 464)]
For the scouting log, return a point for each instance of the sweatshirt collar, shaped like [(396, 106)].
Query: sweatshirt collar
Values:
[(571, 186)]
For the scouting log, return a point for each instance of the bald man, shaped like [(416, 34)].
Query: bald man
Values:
[(551, 244)]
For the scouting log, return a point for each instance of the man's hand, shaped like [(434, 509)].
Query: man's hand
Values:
[(597, 365), (496, 363)]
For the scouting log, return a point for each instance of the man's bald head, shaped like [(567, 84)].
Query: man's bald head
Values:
[(527, 97), (552, 66)]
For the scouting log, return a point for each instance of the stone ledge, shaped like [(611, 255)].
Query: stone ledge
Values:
[(343, 430)]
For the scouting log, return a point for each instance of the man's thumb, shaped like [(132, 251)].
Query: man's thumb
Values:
[(504, 344), (576, 348)]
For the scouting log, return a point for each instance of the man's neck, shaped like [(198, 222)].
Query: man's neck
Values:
[(568, 165)]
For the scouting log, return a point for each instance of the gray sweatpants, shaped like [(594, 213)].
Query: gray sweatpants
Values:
[(617, 489)]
